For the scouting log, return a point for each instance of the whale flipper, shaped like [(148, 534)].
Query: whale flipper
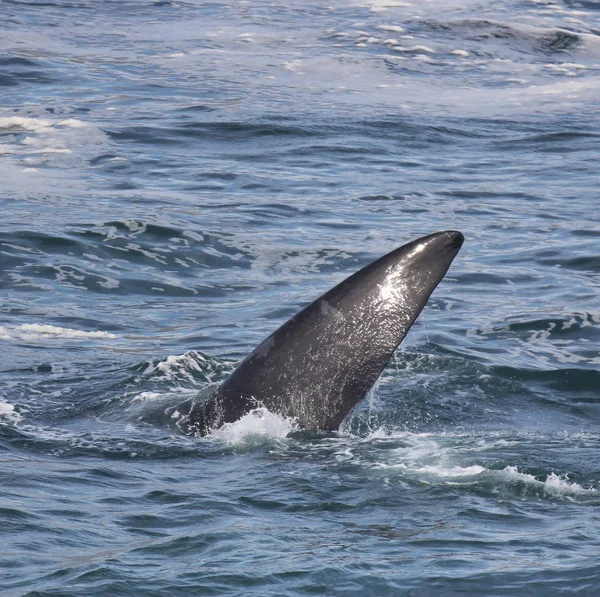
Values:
[(322, 362)]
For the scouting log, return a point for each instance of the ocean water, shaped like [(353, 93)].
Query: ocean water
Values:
[(179, 178)]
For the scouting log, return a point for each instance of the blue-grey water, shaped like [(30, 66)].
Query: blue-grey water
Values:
[(177, 178)]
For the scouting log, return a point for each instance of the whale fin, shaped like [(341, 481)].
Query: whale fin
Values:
[(322, 362)]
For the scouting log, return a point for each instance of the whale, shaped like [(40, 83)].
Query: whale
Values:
[(319, 365)]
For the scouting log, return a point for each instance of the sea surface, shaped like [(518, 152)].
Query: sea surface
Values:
[(177, 178)]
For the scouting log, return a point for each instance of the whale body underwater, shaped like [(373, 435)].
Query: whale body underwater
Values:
[(321, 363)]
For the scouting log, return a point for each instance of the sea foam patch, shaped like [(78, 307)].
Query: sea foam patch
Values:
[(42, 148), (32, 332), (8, 412), (24, 123)]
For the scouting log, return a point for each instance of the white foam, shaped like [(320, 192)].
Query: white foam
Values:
[(36, 125), (395, 28), (178, 365), (73, 123), (425, 456), (382, 5), (415, 48), (146, 396), (109, 283), (452, 471), (258, 423), (418, 453), (52, 330), (52, 150), (37, 331), (33, 143), (554, 484), (23, 123), (7, 411)]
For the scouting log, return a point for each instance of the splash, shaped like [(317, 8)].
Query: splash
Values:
[(258, 424)]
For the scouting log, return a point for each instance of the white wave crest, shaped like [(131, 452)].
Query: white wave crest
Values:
[(554, 484)]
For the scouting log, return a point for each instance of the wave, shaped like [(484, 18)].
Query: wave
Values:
[(513, 35), (191, 366), (471, 461)]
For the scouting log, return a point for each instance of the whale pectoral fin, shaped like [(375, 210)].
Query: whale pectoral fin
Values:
[(320, 364)]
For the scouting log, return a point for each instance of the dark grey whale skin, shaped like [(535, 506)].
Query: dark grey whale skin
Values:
[(322, 362)]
